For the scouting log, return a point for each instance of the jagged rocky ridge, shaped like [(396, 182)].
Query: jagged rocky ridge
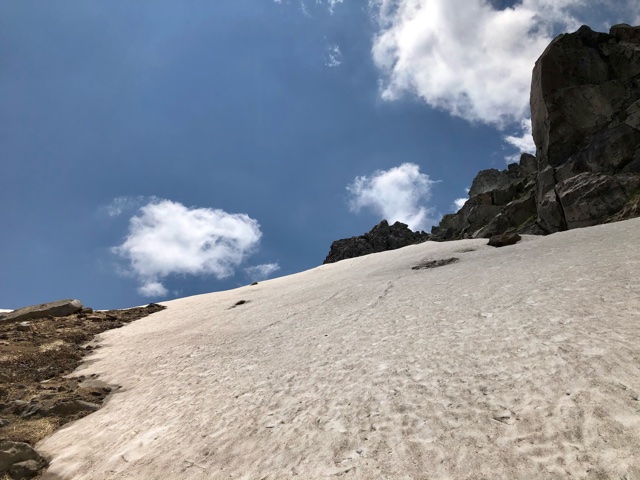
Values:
[(585, 111), (382, 237)]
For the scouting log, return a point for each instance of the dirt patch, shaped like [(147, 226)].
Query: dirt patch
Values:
[(436, 263), (36, 398)]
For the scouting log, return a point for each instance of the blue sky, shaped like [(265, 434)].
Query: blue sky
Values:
[(158, 149)]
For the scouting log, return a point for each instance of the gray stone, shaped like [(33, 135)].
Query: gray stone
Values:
[(607, 151), (590, 199), (550, 214), (502, 196), (522, 211), (528, 165), (633, 116), (59, 308), (630, 210), (71, 407), (23, 326), (500, 223), (516, 216), (480, 215), (623, 59), (31, 410), (504, 240), (493, 179), (17, 452), (27, 469), (626, 33)]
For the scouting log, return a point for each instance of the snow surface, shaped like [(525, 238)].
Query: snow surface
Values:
[(520, 363)]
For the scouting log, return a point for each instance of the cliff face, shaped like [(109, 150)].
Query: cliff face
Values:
[(585, 114), (500, 202), (585, 110)]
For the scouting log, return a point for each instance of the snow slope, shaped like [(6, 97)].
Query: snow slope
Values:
[(521, 362)]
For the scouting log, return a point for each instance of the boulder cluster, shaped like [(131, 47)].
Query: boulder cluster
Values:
[(585, 114), (381, 238)]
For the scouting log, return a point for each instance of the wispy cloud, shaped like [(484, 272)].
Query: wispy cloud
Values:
[(306, 6), (332, 5), (398, 194), (152, 288), (120, 205), (167, 238), (261, 272), (333, 56)]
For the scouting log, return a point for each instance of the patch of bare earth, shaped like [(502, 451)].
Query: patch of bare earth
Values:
[(36, 397)]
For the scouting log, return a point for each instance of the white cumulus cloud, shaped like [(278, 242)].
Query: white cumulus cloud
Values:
[(168, 238), (261, 272), (461, 56), (398, 194), (152, 289), (471, 59)]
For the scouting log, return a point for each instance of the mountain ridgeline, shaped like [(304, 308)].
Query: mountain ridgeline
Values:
[(585, 114)]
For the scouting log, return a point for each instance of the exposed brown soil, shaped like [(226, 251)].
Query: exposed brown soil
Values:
[(36, 398)]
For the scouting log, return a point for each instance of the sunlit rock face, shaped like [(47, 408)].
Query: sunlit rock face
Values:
[(585, 112), (585, 107)]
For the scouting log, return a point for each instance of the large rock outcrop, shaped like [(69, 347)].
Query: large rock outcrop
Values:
[(381, 238), (585, 111), (59, 308), (500, 201)]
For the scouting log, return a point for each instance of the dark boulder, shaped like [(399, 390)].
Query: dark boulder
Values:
[(24, 470), (504, 239), (12, 453), (493, 179), (381, 238)]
